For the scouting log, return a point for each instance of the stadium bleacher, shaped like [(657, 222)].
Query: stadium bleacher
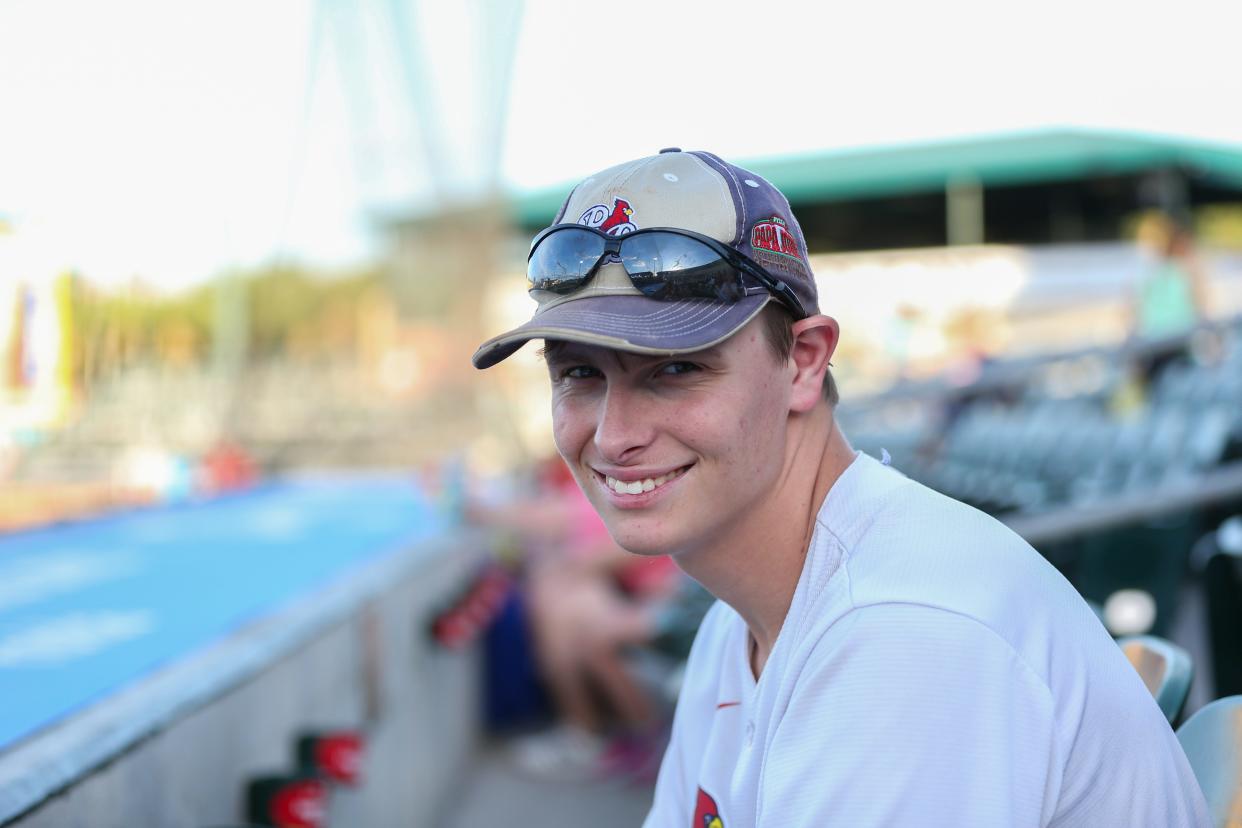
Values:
[(1034, 437), (1220, 561), (1112, 462)]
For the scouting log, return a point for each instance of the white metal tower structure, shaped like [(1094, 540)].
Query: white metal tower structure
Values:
[(427, 85)]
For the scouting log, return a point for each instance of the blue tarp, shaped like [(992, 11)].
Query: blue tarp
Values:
[(88, 608)]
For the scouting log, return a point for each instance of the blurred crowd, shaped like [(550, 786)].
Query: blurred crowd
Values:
[(141, 476), (592, 617)]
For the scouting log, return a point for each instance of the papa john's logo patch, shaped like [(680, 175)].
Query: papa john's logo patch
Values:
[(614, 221), (774, 247), (706, 814), (772, 235)]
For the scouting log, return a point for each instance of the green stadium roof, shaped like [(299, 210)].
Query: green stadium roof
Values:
[(1019, 158)]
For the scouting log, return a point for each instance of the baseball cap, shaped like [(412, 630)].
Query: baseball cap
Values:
[(695, 191)]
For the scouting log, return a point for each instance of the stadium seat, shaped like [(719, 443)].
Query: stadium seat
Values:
[(1221, 563), (1148, 556), (1212, 739), (1165, 668)]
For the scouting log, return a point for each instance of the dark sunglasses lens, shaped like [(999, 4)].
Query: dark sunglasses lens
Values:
[(562, 261), (671, 266)]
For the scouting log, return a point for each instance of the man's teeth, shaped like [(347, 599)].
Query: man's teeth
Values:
[(639, 486)]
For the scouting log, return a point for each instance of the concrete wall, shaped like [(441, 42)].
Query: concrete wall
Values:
[(372, 666)]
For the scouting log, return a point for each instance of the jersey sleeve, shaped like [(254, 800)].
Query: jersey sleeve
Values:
[(911, 715)]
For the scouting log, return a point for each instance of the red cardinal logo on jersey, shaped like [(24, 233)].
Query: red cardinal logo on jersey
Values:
[(706, 814), (614, 221)]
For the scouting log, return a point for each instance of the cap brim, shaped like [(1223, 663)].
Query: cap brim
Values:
[(629, 323)]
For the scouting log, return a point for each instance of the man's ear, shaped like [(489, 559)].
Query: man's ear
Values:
[(815, 340)]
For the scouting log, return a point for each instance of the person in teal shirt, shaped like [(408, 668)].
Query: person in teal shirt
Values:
[(1170, 297)]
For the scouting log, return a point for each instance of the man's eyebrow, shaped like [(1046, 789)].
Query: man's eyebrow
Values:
[(561, 350), (713, 351)]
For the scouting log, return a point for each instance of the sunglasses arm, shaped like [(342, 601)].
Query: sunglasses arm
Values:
[(778, 288)]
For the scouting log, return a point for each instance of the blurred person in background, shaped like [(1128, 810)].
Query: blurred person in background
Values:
[(1170, 297), (880, 654), (588, 601)]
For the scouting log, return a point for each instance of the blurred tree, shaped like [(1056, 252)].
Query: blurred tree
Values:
[(1220, 225), (315, 313), (115, 330), (287, 303), (1213, 225)]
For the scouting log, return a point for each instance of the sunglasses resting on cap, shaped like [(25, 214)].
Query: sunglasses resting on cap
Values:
[(702, 247)]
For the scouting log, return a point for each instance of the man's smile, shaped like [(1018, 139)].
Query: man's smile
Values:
[(638, 482)]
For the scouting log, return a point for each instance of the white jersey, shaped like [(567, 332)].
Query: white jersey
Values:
[(933, 670)]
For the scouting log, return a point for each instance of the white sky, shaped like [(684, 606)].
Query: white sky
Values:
[(172, 140)]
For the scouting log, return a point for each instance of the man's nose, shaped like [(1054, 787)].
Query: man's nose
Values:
[(626, 425)]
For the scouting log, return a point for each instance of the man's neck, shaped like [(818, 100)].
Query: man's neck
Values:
[(756, 568)]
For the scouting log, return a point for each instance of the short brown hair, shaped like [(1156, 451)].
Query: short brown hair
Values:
[(778, 331)]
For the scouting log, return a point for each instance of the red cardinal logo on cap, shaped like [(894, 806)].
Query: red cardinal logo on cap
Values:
[(706, 814), (614, 222)]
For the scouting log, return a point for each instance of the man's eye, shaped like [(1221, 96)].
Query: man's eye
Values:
[(678, 368), (579, 372)]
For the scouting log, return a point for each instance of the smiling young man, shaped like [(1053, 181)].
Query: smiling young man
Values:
[(880, 654)]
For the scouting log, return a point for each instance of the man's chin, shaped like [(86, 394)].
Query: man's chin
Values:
[(645, 551), (637, 543)]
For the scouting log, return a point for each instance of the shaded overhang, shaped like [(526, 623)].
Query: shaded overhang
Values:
[(991, 161)]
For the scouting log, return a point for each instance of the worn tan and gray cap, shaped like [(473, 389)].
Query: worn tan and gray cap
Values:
[(694, 191)]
